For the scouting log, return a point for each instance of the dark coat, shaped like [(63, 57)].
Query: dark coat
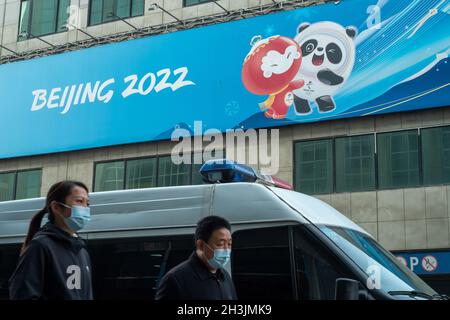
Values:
[(55, 265), (192, 280)]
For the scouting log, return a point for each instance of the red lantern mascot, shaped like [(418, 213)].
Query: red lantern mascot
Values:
[(270, 69)]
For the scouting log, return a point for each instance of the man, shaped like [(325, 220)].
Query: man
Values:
[(202, 276)]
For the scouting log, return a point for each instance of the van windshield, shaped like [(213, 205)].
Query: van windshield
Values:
[(385, 272)]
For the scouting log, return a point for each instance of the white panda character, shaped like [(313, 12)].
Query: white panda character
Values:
[(328, 56)]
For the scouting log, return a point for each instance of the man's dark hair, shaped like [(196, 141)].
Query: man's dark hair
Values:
[(208, 225)]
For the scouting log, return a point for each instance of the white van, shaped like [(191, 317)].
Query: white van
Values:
[(286, 245)]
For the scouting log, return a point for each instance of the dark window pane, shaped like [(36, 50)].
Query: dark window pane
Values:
[(261, 264), (170, 174), (436, 155), (132, 268), (313, 166), (29, 184), (9, 257), (109, 176), (194, 2), (43, 18), (316, 267), (63, 15), (398, 159), (108, 9), (123, 8), (24, 20), (141, 173), (7, 186), (196, 176), (137, 8), (355, 163), (96, 12)]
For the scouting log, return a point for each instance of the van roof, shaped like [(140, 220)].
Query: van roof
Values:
[(179, 207)]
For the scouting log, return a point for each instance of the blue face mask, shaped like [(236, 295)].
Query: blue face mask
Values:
[(220, 259), (79, 217)]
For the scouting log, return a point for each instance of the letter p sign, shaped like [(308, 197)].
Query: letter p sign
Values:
[(413, 261)]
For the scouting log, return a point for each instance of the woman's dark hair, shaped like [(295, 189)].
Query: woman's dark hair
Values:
[(208, 225), (57, 192)]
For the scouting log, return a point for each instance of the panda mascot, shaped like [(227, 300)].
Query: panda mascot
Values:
[(328, 52)]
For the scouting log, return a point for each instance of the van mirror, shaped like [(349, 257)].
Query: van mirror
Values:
[(347, 289)]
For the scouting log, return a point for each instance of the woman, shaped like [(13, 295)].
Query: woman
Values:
[(54, 263)]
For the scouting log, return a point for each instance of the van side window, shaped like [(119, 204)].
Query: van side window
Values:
[(261, 265), (316, 267), (9, 257), (132, 268), (283, 263)]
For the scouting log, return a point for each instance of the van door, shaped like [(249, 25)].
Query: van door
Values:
[(285, 262), (131, 268), (9, 257)]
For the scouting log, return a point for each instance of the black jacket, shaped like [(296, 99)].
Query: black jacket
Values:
[(191, 280), (55, 265)]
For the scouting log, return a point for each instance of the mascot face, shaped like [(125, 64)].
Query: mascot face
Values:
[(326, 45), (323, 52), (271, 65)]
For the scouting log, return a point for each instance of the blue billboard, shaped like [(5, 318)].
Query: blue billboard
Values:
[(350, 59)]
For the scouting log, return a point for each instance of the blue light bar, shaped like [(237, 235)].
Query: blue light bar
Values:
[(224, 171), (227, 171)]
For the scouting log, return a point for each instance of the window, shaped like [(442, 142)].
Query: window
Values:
[(261, 264), (144, 173), (398, 159), (196, 176), (355, 163), (141, 173), (7, 186), (316, 267), (42, 17), (284, 263), (351, 164), (28, 184), (369, 256), (132, 268), (314, 166), (109, 176), (102, 11), (187, 3), (170, 174), (436, 155), (20, 185)]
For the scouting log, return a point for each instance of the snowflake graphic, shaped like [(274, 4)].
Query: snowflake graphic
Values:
[(232, 108)]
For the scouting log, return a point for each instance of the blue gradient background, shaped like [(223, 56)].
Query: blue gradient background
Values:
[(214, 56)]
